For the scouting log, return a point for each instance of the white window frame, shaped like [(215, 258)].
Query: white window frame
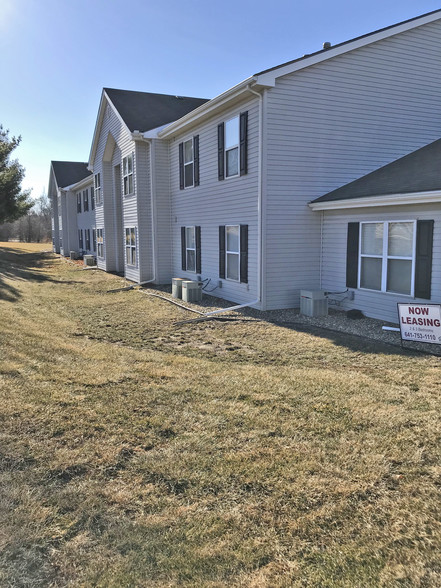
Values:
[(97, 188), (232, 147), (100, 242), (128, 188), (85, 200), (228, 252), (187, 249), (385, 256), (188, 163), (131, 252)]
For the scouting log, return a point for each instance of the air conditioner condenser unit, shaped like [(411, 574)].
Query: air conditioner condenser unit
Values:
[(191, 291), (313, 303)]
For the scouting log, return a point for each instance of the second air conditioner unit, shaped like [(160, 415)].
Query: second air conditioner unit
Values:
[(191, 291)]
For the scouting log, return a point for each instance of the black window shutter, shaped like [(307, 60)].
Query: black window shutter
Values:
[(243, 143), (196, 159), (244, 254), (423, 261), (183, 249), (198, 250), (222, 251), (221, 151), (181, 166), (352, 255)]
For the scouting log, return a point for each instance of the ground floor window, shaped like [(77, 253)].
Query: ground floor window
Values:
[(94, 239), (191, 249), (87, 232), (387, 256), (80, 238), (233, 252), (100, 242), (131, 246)]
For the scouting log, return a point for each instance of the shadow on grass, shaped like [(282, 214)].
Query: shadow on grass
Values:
[(17, 266), (355, 343)]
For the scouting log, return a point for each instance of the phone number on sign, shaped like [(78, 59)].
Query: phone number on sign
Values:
[(421, 336)]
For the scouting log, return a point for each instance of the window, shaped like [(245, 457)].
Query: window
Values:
[(80, 238), (97, 186), (87, 233), (92, 198), (131, 246), (189, 163), (85, 200), (100, 242), (128, 175), (232, 138), (233, 252), (191, 249), (387, 256), (232, 147), (94, 239), (78, 202)]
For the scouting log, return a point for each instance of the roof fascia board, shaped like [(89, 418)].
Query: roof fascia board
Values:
[(381, 200), (79, 185), (269, 78), (207, 109)]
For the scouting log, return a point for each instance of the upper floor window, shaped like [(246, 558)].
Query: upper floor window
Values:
[(131, 246), (189, 163), (232, 137), (128, 175), (92, 198), (97, 187), (85, 200), (387, 256), (79, 202)]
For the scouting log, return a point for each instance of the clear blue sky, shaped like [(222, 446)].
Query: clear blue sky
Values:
[(57, 55)]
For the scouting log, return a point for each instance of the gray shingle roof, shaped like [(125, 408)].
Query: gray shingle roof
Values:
[(346, 42), (144, 111), (69, 172), (419, 171)]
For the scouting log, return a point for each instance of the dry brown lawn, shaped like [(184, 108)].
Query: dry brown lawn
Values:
[(135, 452)]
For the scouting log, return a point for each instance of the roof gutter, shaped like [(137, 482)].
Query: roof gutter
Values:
[(379, 200), (207, 109)]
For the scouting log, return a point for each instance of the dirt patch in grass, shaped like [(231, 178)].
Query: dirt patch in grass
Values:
[(135, 452)]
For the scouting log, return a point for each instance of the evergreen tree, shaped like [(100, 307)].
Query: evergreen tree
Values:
[(14, 202)]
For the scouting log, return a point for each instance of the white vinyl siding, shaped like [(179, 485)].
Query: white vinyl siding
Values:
[(332, 123), (382, 305), (216, 203)]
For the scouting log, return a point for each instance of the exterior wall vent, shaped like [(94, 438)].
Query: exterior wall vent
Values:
[(313, 303)]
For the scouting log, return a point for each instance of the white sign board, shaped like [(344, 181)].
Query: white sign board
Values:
[(420, 322)]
